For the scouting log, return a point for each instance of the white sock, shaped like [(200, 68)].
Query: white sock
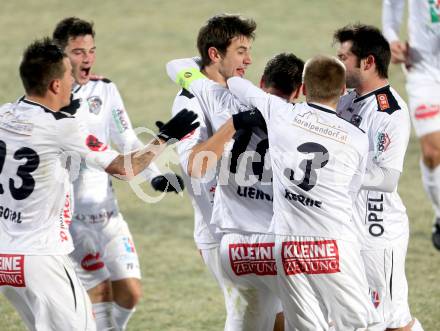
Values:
[(122, 315), (431, 183), (103, 316), (416, 326)]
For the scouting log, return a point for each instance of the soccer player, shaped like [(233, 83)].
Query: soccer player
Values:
[(375, 107), (224, 44), (105, 256), (36, 274), (243, 212), (318, 160), (421, 59)]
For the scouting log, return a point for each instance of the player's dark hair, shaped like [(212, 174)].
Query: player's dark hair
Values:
[(284, 73), (324, 78), (42, 63), (219, 31), (71, 27), (367, 40)]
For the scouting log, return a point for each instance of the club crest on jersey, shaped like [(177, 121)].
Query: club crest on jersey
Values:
[(426, 111), (12, 270), (383, 141), (382, 99), (94, 144), (310, 257), (255, 259), (375, 298), (95, 104)]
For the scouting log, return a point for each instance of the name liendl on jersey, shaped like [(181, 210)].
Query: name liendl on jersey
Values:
[(10, 215), (253, 193)]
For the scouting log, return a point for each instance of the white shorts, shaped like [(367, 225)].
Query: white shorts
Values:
[(46, 292), (424, 102), (322, 282), (249, 264), (104, 251), (385, 270)]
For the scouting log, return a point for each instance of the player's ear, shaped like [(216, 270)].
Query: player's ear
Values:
[(55, 86), (368, 62), (262, 83), (303, 87), (344, 89), (295, 94), (214, 54)]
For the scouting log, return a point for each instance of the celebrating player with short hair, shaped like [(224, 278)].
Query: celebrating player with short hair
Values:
[(375, 107), (318, 160), (105, 256), (36, 274), (243, 211)]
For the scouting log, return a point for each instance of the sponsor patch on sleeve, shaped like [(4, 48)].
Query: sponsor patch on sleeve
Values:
[(12, 270), (310, 257), (255, 259), (94, 144)]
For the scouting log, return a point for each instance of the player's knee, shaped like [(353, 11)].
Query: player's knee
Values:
[(101, 293)]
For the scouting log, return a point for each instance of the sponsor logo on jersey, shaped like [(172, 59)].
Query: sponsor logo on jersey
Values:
[(382, 99), (255, 259), (10, 122), (374, 214), (94, 144), (311, 122), (434, 10), (121, 121), (383, 141), (310, 257), (426, 111), (95, 104), (12, 270), (128, 245), (92, 262), (375, 298)]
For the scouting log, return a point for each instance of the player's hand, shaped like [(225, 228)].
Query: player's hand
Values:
[(399, 52), (72, 107), (248, 119), (168, 182), (179, 126)]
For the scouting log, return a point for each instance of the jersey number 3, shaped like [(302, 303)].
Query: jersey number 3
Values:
[(308, 166), (23, 171)]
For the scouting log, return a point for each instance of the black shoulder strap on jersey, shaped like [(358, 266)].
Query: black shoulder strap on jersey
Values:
[(186, 93), (386, 102), (105, 80)]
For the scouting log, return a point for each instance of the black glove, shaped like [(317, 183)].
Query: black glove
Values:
[(248, 119), (179, 126), (168, 182), (72, 107)]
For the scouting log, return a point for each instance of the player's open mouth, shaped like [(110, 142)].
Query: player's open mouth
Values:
[(84, 72)]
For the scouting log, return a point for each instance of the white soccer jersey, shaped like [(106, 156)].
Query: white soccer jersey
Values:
[(423, 28), (201, 191), (243, 198), (32, 186), (384, 116), (318, 163), (104, 112)]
